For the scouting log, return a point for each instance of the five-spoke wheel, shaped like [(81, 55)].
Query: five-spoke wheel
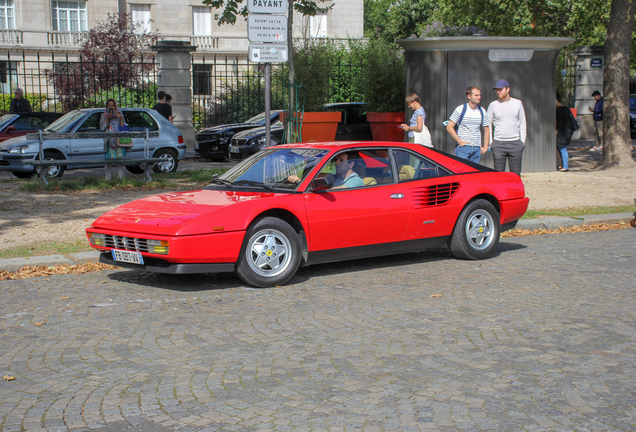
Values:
[(476, 233), (271, 253)]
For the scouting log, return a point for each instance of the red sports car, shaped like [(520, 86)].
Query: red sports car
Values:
[(301, 204)]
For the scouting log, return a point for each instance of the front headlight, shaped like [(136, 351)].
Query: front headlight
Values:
[(158, 247), (19, 149), (97, 239)]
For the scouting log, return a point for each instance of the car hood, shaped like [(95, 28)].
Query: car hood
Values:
[(172, 213), (6, 145), (257, 131)]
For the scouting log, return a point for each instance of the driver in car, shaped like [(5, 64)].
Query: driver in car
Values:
[(345, 176)]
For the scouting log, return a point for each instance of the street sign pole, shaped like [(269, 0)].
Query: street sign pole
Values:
[(267, 105), (266, 24)]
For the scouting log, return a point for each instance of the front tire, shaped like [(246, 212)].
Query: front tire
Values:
[(54, 171), (270, 254), (171, 163), (24, 175), (476, 233)]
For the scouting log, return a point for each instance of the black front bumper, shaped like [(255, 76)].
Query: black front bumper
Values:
[(161, 266)]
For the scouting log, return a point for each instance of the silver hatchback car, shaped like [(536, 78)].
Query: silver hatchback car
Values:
[(169, 145)]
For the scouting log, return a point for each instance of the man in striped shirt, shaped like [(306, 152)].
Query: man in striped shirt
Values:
[(465, 126)]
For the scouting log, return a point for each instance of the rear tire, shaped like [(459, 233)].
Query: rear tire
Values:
[(270, 254), (476, 233), (135, 169), (171, 163)]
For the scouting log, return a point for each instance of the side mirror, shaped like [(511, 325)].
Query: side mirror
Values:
[(10, 129), (319, 184)]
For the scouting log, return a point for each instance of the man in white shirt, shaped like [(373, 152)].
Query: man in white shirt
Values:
[(508, 120), (465, 126)]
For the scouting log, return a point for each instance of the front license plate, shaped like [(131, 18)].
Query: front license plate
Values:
[(235, 149), (127, 256)]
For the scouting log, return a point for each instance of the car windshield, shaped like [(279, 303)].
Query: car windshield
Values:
[(272, 167), (65, 123), (6, 119), (257, 119)]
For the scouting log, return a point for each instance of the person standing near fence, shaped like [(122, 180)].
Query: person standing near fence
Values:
[(598, 120), (110, 121), (508, 121), (162, 107), (18, 103), (169, 101), (465, 126)]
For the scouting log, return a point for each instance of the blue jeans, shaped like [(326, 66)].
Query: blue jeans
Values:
[(472, 153), (563, 151)]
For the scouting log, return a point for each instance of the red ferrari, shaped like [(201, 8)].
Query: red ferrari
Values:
[(302, 204)]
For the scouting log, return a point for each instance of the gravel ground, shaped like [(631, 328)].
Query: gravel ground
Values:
[(29, 218)]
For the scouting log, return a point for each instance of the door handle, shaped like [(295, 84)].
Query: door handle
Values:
[(397, 196)]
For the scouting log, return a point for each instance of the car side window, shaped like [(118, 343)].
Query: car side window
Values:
[(39, 122), (140, 121), (91, 124), (415, 167), (22, 124), (359, 115), (372, 166)]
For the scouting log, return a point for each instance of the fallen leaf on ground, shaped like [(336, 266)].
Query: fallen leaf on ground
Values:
[(436, 295), (8, 378), (65, 298), (39, 324)]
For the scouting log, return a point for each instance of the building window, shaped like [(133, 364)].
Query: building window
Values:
[(8, 76), (201, 79), (69, 16), (141, 17), (201, 21), (7, 14), (318, 25)]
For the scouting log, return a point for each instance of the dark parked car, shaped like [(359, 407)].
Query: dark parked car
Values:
[(213, 142), (19, 124), (353, 126)]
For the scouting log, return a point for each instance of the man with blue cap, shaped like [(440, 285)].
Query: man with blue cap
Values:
[(508, 120)]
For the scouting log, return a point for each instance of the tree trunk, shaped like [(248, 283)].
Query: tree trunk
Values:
[(617, 143)]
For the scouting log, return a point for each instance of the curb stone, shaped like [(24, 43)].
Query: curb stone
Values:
[(14, 264)]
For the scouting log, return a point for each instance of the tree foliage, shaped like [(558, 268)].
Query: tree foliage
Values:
[(111, 56), (389, 20), (231, 9)]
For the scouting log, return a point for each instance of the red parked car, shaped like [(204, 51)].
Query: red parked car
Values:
[(18, 124), (297, 204)]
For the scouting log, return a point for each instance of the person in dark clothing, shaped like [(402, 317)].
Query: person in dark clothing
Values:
[(162, 107), (564, 131), (598, 120), (19, 104)]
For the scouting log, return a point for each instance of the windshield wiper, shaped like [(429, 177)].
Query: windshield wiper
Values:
[(253, 183), (216, 179)]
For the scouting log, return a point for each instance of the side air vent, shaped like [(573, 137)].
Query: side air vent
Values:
[(434, 195)]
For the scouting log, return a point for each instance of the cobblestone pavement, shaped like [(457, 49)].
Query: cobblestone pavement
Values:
[(540, 337)]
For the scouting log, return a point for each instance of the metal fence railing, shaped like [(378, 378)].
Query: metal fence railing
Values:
[(63, 82), (228, 89)]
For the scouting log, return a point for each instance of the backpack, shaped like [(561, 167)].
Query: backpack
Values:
[(461, 116)]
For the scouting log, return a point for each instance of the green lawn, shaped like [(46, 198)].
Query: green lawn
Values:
[(578, 211)]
